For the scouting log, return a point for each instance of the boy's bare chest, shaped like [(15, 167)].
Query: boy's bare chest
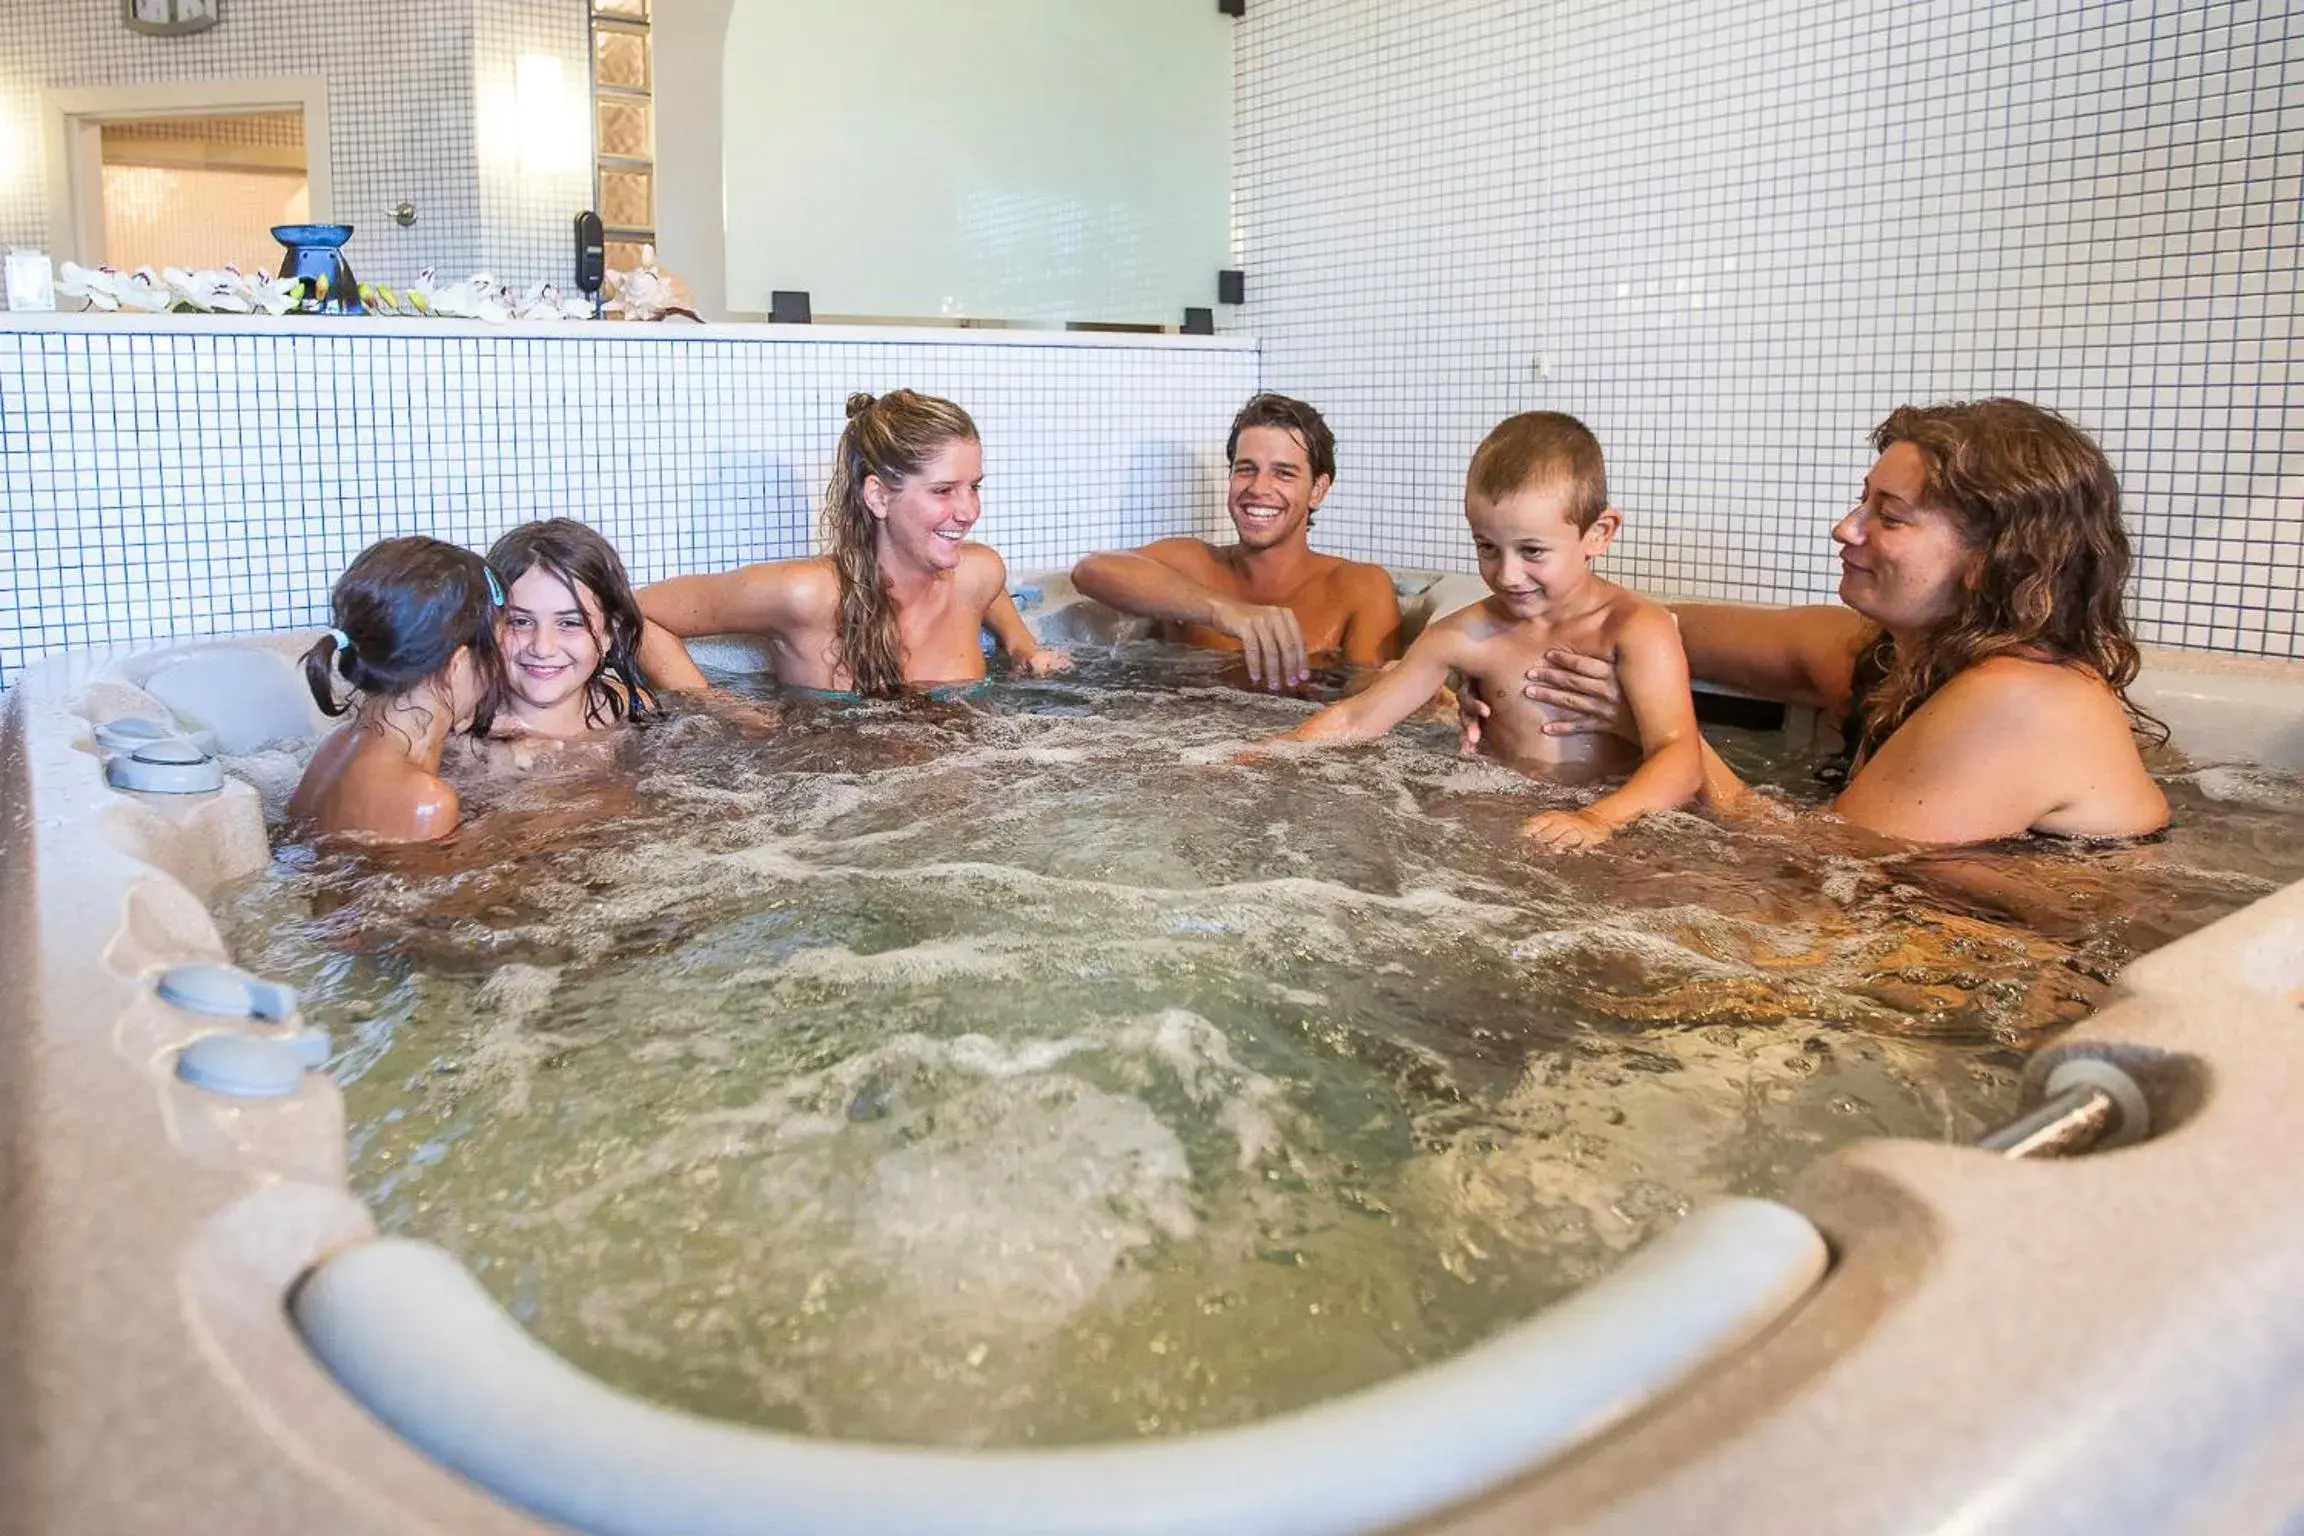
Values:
[(1499, 667), (1511, 653)]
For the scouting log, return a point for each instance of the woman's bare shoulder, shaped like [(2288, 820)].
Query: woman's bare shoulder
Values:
[(2049, 692), (985, 573)]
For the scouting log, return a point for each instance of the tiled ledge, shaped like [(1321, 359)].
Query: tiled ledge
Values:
[(413, 328)]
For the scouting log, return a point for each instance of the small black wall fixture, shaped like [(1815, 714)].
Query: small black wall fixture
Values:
[(789, 306), (591, 255), (1233, 7), (1199, 322), (1231, 287)]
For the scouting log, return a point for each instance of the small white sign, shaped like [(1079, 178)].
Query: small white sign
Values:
[(31, 280)]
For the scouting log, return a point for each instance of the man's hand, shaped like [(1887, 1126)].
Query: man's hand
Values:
[(1045, 662), (1566, 831), (1270, 639), (1584, 689)]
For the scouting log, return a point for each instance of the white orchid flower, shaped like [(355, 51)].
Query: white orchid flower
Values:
[(269, 295), (142, 290), (98, 288)]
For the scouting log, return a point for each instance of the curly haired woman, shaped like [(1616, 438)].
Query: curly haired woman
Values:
[(1981, 665)]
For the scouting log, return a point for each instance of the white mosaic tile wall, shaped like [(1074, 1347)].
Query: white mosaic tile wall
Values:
[(528, 209), (1732, 236), (154, 481), (406, 83)]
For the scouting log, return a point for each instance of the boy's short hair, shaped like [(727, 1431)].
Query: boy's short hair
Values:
[(1543, 449), (1289, 416)]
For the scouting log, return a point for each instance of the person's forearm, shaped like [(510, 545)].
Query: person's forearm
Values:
[(1009, 631), (1346, 722), (1668, 778), (665, 660), (1144, 587), (1721, 789)]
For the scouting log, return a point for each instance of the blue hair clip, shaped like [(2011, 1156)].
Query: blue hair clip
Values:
[(495, 587), (343, 641)]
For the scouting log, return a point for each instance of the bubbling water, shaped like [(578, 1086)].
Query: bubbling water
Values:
[(1025, 1070)]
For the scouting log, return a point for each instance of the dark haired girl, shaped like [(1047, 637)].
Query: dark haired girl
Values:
[(569, 632), (414, 639), (900, 597)]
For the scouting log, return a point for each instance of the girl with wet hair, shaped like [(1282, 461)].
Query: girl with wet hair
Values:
[(414, 642), (899, 599), (1979, 668), (569, 633)]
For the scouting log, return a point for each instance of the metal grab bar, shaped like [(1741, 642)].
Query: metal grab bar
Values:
[(2090, 1103)]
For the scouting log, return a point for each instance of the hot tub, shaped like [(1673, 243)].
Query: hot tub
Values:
[(2106, 1342)]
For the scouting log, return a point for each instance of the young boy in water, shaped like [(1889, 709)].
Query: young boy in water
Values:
[(1537, 499)]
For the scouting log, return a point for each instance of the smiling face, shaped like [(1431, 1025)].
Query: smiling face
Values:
[(1532, 555), (1273, 491), (925, 519), (551, 633), (1901, 561)]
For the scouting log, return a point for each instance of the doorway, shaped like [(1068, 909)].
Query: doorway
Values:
[(193, 174), (199, 192)]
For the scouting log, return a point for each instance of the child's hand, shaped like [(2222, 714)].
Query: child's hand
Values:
[(1045, 662), (1566, 831), (1471, 713)]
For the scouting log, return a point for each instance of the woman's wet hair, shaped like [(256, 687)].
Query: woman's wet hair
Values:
[(2039, 506), (401, 612), (893, 437), (579, 558)]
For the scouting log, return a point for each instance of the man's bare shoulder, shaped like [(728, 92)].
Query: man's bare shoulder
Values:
[(1186, 555), (1359, 579)]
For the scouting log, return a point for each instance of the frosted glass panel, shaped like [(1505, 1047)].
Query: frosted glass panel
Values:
[(1043, 160)]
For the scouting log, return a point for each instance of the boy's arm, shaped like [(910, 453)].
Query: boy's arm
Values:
[(1393, 695), (1653, 672)]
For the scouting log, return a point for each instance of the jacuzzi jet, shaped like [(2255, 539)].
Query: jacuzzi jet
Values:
[(129, 733), (226, 991), (172, 766), (2089, 1104)]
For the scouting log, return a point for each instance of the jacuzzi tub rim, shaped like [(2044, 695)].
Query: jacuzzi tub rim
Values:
[(412, 1336)]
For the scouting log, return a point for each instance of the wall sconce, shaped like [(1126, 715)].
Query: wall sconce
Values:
[(548, 144)]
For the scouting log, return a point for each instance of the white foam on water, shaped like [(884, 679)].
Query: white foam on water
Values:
[(1020, 1205), (507, 1052)]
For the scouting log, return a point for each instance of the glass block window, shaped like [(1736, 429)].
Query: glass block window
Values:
[(624, 123)]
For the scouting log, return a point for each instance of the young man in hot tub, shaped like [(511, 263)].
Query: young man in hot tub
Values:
[(1537, 499), (1269, 596)]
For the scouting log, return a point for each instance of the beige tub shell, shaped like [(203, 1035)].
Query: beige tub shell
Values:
[(2111, 1343)]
